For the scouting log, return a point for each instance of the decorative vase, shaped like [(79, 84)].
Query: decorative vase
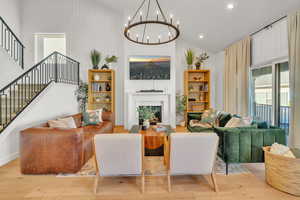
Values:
[(107, 87), (190, 67), (146, 123), (198, 65), (95, 67), (105, 66), (96, 77)]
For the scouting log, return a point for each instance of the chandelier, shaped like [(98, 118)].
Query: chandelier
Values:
[(151, 28)]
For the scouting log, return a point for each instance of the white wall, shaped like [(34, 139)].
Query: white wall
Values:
[(87, 24), (56, 101), (10, 12)]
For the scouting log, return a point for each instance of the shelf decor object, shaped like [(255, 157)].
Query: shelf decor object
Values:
[(148, 26), (101, 90), (197, 90)]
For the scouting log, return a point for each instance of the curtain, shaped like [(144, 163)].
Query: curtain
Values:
[(237, 63), (294, 63)]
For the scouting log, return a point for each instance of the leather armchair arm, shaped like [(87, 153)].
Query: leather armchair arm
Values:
[(108, 116), (51, 149)]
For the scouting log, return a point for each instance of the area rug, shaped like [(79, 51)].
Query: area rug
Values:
[(154, 166)]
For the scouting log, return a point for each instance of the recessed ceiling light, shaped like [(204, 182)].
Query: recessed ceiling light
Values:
[(230, 6), (201, 36)]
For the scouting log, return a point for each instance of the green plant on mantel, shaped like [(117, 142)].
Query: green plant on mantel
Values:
[(111, 59), (81, 94), (145, 113), (190, 57), (95, 58)]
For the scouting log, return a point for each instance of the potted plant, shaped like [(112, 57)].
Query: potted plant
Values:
[(190, 57), (200, 60), (108, 61), (181, 101), (145, 114), (81, 94), (95, 58)]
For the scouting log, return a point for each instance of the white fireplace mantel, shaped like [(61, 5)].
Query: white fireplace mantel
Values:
[(136, 99)]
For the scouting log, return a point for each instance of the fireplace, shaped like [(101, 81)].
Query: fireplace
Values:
[(157, 110)]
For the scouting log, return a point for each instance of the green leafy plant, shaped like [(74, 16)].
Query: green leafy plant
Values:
[(81, 94), (145, 113), (190, 57), (95, 58), (200, 59), (181, 103), (111, 59)]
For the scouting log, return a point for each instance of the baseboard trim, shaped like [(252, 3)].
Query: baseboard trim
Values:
[(9, 158)]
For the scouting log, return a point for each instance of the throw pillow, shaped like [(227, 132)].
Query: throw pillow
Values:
[(197, 123), (235, 122), (64, 123), (99, 113), (91, 118), (280, 149), (223, 118), (209, 116)]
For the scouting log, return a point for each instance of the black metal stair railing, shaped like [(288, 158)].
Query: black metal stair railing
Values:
[(11, 43), (17, 95)]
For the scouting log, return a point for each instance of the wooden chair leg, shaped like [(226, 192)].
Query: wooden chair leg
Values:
[(96, 183), (214, 180), (143, 182), (169, 181)]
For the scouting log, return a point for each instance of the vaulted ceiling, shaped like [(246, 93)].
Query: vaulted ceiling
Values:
[(220, 26)]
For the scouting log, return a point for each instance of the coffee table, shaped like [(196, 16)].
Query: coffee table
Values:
[(154, 141)]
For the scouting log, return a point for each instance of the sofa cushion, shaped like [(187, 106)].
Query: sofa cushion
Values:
[(260, 124), (64, 123), (91, 118), (223, 118), (209, 116), (104, 127)]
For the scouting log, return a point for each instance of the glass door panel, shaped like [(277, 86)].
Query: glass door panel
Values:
[(284, 98), (262, 79)]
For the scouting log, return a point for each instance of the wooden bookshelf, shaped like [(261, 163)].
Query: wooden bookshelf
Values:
[(197, 90), (101, 90)]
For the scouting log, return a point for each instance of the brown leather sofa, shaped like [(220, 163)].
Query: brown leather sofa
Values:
[(45, 150)]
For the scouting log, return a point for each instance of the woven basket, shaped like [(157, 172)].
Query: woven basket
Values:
[(282, 173)]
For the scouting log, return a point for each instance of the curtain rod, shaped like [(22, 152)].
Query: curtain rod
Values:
[(267, 26)]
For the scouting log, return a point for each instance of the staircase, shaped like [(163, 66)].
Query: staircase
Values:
[(17, 95), (11, 43)]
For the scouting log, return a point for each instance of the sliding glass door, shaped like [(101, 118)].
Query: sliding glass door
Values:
[(270, 92)]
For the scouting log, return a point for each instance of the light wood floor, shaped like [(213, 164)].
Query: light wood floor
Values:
[(15, 186)]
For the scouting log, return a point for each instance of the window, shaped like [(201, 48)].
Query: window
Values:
[(270, 94), (45, 44)]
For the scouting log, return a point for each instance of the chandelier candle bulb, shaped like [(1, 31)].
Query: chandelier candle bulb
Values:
[(129, 19), (137, 37), (171, 18), (159, 37), (148, 38), (157, 15), (141, 16), (178, 23)]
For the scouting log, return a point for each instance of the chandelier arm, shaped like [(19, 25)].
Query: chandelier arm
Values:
[(146, 20), (137, 11), (161, 11)]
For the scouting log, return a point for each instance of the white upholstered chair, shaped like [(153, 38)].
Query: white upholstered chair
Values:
[(119, 155), (192, 154)]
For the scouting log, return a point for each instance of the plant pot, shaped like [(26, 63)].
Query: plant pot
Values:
[(146, 123), (190, 67), (198, 66), (95, 67), (105, 66)]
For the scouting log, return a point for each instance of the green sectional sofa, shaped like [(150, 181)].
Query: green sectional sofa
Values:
[(244, 144)]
